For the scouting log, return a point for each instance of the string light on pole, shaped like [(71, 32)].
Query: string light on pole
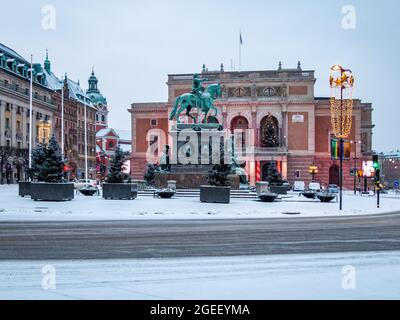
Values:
[(341, 82)]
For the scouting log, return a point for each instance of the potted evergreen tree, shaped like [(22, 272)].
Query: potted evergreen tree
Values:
[(48, 174), (118, 185), (218, 190), (275, 179)]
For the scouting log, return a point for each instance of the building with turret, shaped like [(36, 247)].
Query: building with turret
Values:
[(99, 101)]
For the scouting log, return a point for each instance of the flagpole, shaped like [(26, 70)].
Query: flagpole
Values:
[(30, 114), (240, 50), (62, 120), (86, 154)]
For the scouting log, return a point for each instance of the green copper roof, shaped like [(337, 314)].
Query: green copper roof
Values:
[(47, 64), (93, 92)]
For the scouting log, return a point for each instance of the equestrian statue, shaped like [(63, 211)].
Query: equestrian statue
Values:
[(200, 98)]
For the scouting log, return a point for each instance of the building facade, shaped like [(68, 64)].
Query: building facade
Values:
[(390, 169), (47, 114), (14, 110), (279, 116), (75, 101)]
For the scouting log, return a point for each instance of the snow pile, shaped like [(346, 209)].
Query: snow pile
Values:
[(15, 208)]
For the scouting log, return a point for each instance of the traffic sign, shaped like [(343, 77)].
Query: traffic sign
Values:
[(396, 184)]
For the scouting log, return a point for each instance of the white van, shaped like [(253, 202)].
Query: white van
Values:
[(299, 186), (315, 186)]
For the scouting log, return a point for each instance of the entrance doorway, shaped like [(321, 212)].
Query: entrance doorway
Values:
[(334, 174)]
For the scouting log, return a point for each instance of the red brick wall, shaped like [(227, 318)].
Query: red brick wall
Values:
[(143, 126), (298, 132)]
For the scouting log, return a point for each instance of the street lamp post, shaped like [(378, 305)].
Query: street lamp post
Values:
[(341, 83), (30, 114), (313, 170), (355, 172)]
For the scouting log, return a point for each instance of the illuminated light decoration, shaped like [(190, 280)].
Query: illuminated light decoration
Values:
[(341, 102), (368, 169), (341, 82), (313, 169), (44, 131)]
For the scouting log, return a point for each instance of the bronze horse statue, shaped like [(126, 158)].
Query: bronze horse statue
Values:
[(203, 101)]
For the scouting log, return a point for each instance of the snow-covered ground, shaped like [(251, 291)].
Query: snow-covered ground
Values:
[(373, 275), (15, 208)]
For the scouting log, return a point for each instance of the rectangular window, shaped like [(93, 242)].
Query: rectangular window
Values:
[(7, 123), (154, 122)]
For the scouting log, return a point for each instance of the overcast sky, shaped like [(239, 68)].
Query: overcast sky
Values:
[(133, 45)]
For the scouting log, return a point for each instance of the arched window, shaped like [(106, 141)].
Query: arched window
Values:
[(269, 132), (239, 126)]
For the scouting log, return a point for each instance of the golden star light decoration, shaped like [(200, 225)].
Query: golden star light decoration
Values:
[(341, 102)]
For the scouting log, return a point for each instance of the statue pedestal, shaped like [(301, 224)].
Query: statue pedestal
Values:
[(194, 150)]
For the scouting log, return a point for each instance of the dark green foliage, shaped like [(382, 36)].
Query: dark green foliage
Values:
[(218, 176), (117, 167), (149, 175), (47, 163), (273, 175)]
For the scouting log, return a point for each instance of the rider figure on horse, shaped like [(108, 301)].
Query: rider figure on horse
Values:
[(197, 88)]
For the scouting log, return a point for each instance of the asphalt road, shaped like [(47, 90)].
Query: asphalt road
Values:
[(195, 238)]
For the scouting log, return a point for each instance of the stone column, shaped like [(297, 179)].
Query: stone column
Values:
[(23, 129), (224, 117), (13, 123), (255, 126), (252, 172), (2, 123)]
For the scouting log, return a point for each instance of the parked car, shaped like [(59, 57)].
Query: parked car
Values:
[(333, 188), (78, 184), (299, 186), (314, 186)]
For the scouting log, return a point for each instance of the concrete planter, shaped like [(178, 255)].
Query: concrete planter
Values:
[(44, 191), (88, 192), (120, 191), (166, 194), (278, 189), (326, 198), (309, 194), (268, 197), (213, 194), (262, 187), (24, 189)]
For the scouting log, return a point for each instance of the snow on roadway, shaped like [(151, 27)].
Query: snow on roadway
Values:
[(15, 208), (373, 275)]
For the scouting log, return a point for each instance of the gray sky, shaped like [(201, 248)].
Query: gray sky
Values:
[(133, 45)]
